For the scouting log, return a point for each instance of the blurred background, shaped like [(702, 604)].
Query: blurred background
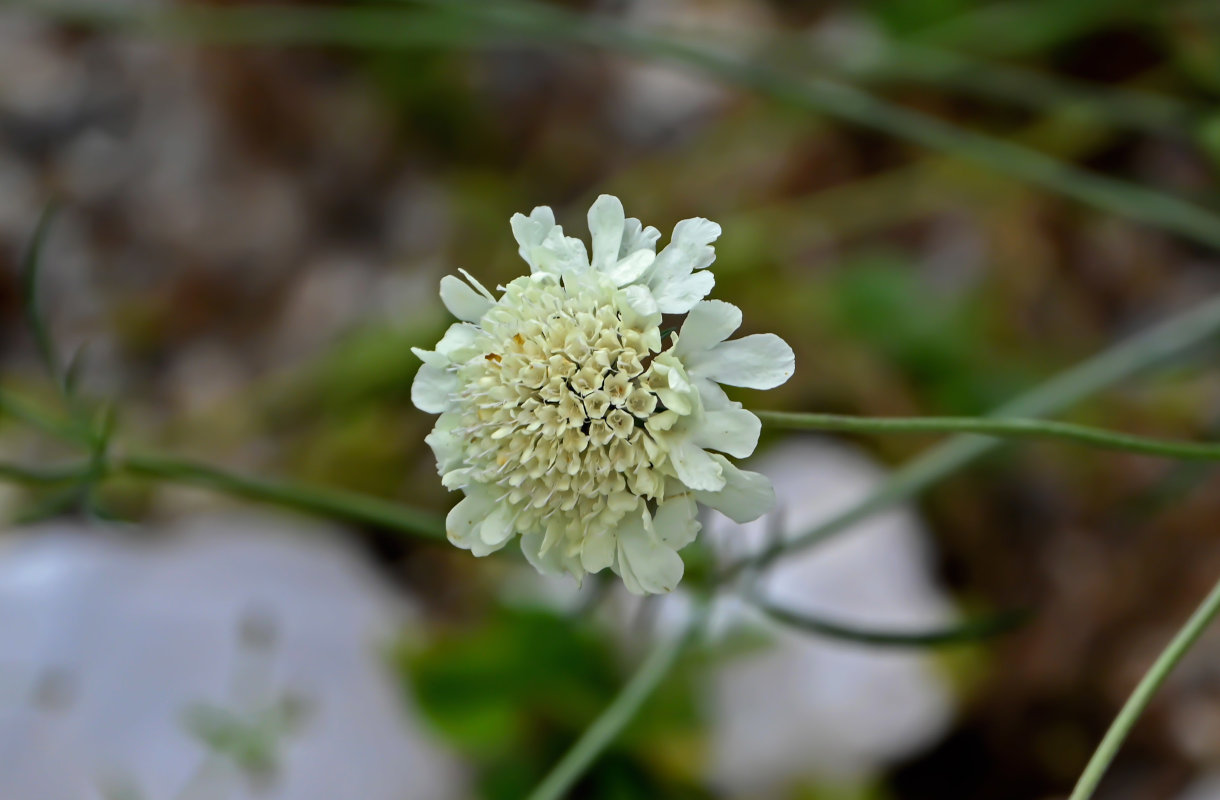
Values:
[(255, 212)]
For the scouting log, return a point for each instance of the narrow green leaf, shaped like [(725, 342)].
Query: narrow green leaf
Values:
[(31, 264)]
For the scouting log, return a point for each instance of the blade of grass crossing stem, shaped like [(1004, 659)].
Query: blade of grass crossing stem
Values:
[(12, 406), (1138, 353), (969, 632), (31, 264), (622, 710), (1135, 705), (850, 104), (515, 20), (998, 428)]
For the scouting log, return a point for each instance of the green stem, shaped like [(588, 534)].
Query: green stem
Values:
[(598, 736), (1135, 705), (316, 499), (998, 428), (1111, 366)]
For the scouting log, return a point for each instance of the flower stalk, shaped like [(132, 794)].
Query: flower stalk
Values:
[(1000, 428)]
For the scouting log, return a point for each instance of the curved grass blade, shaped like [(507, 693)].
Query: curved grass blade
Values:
[(31, 264), (621, 710), (445, 23), (19, 409), (965, 633), (1144, 691)]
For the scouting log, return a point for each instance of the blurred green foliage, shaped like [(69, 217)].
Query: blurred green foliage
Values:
[(514, 690)]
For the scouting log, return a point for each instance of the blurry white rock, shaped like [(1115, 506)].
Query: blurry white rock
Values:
[(808, 706), (1205, 788), (658, 100), (803, 707), (107, 645)]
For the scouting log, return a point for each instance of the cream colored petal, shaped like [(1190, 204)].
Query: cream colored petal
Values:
[(459, 343), (462, 300), (760, 361), (606, 220), (637, 237), (730, 430), (675, 522), (646, 564), (530, 232), (445, 444), (433, 389), (746, 495), (497, 528), (597, 551), (709, 323), (631, 267), (695, 467), (677, 294), (466, 518)]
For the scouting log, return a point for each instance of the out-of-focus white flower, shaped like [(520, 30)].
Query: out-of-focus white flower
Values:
[(569, 418)]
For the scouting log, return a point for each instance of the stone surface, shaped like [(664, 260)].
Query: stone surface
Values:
[(107, 646)]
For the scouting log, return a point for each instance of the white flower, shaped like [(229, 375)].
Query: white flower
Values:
[(569, 418)]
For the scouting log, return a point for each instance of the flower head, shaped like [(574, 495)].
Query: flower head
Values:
[(566, 415)]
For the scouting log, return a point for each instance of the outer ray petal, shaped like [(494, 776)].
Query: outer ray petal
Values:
[(730, 430), (760, 361), (746, 495), (695, 467), (433, 389), (636, 237), (606, 223), (631, 267), (530, 232), (709, 323), (462, 300), (597, 551), (445, 443), (677, 294), (467, 517), (689, 249), (675, 522), (646, 564)]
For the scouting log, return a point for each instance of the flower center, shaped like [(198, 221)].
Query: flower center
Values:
[(556, 412)]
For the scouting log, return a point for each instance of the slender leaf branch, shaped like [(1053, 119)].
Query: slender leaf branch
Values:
[(1135, 705), (962, 633), (1002, 428), (315, 499)]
